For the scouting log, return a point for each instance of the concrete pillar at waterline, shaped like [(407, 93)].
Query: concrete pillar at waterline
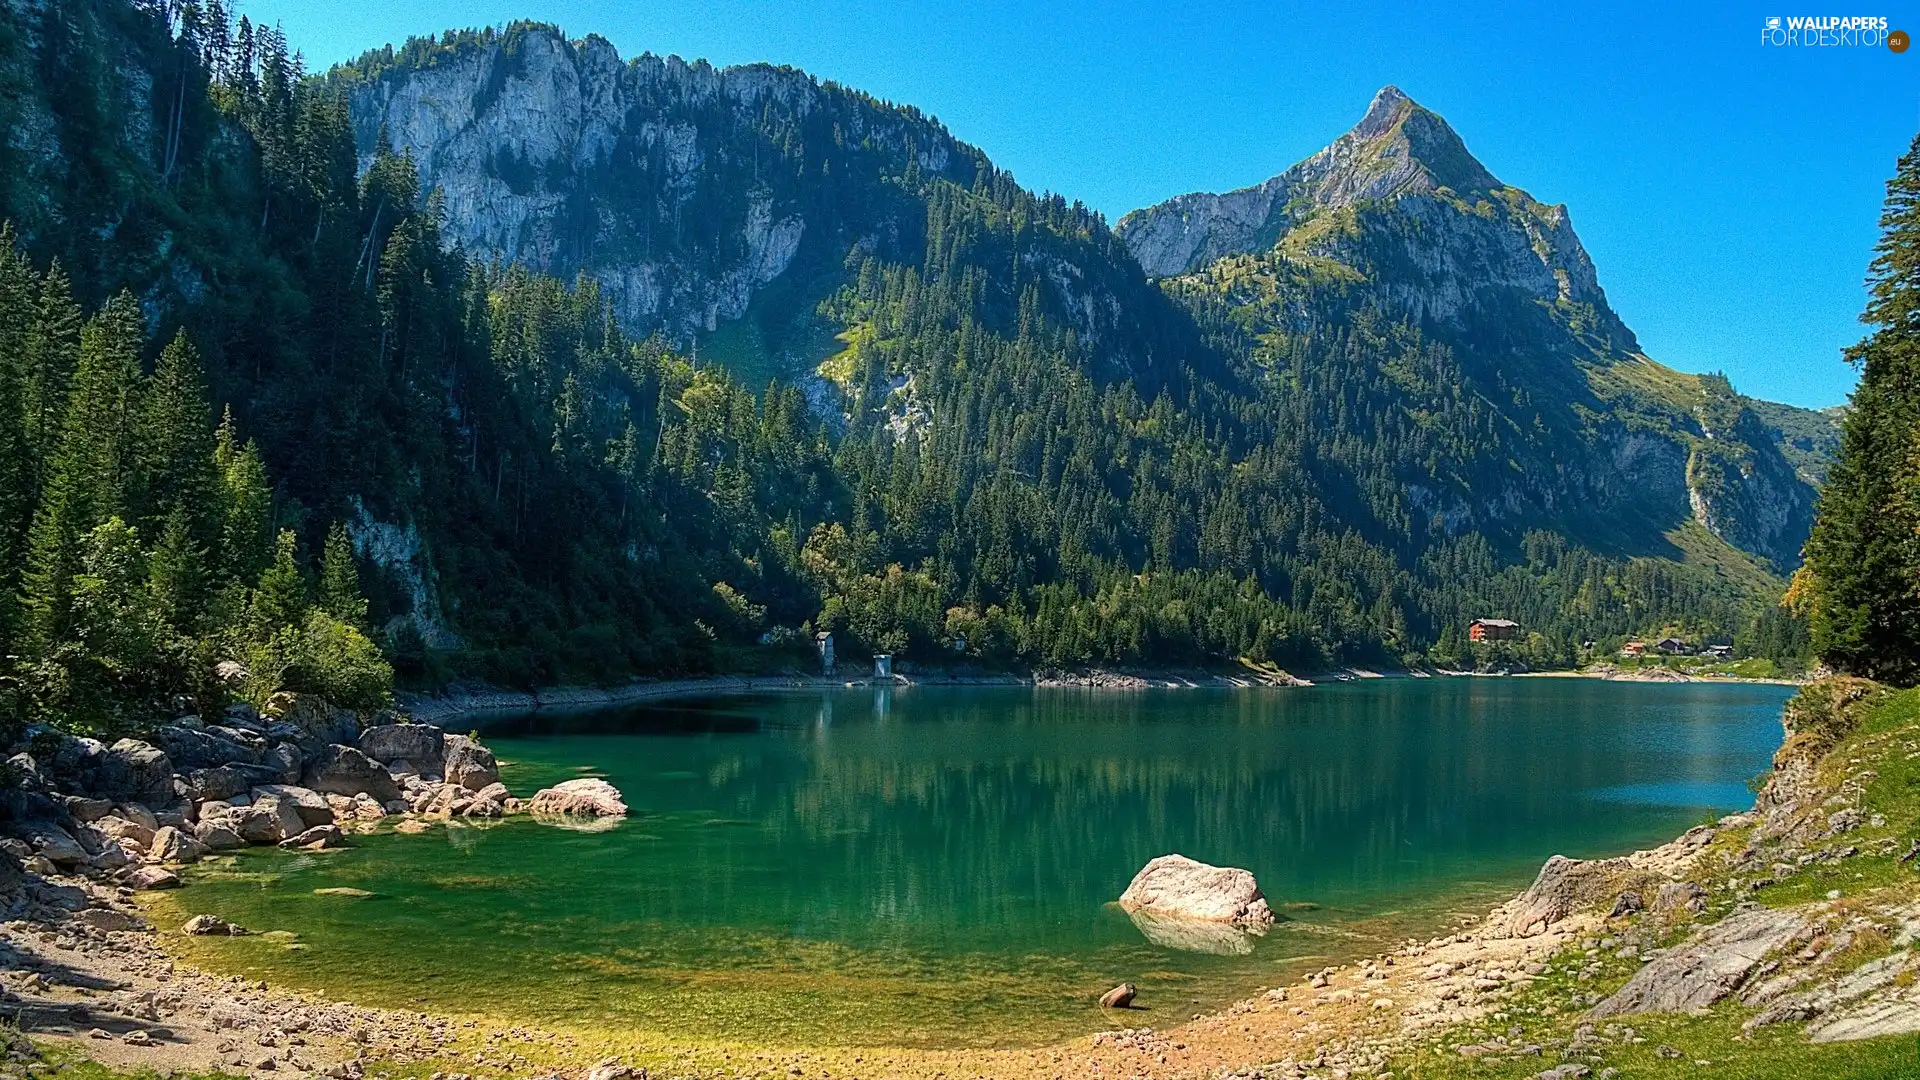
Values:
[(823, 641), (883, 665)]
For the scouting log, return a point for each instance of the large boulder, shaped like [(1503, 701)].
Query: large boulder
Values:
[(138, 771), (1562, 887), (1174, 886), (310, 722), (218, 834), (222, 782), (269, 820), (50, 842), (587, 797), (420, 744), (471, 765), (170, 845), (151, 877), (342, 770), (308, 803), (205, 747)]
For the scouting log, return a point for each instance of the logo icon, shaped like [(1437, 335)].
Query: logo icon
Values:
[(1898, 41), (1773, 23)]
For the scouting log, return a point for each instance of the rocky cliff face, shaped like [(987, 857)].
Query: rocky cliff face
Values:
[(682, 189), (1397, 220)]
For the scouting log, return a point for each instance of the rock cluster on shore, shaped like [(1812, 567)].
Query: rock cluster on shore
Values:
[(303, 776)]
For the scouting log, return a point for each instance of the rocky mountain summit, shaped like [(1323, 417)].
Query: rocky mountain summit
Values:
[(682, 189)]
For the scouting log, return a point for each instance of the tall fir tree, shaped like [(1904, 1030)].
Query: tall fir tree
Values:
[(88, 481), (1860, 585), (340, 578), (176, 442)]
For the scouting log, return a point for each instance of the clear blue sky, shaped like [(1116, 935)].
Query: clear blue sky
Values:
[(1728, 192)]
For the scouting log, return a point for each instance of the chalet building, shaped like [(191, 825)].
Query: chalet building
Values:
[(1492, 630), (1634, 648), (1673, 646)]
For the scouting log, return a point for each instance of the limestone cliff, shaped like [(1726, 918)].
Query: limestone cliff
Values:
[(681, 188)]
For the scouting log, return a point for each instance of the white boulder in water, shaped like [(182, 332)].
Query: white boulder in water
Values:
[(589, 797), (1176, 887)]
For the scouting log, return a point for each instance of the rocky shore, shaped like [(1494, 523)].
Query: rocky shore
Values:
[(302, 776), (1786, 929)]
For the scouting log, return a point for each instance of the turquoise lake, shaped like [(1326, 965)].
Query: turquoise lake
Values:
[(932, 866)]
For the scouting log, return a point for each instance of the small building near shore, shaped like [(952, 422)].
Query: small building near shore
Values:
[(1673, 646), (823, 643), (1492, 630), (883, 665), (1718, 652), (1634, 648)]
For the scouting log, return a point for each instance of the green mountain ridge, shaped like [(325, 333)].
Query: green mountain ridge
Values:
[(1397, 219)]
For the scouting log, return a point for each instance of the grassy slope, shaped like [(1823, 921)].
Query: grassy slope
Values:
[(1883, 752)]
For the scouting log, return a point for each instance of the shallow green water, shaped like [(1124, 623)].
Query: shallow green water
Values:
[(936, 866)]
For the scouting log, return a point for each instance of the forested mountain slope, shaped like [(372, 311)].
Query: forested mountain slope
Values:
[(451, 290), (1557, 415)]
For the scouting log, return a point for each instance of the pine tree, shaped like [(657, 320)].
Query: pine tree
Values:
[(47, 366), (175, 574), (1860, 586), (17, 319), (176, 447), (88, 480), (340, 578), (246, 505), (280, 599)]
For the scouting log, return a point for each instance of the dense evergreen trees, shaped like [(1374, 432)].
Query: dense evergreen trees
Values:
[(1861, 582), (498, 482), (132, 566)]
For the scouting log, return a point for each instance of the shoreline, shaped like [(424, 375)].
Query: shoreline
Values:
[(485, 702), (108, 967)]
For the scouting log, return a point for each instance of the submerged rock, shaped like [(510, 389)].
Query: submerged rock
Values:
[(205, 925), (1120, 997), (1174, 886), (589, 797), (1196, 935)]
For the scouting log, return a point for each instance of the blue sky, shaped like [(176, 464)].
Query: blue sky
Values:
[(1728, 191)]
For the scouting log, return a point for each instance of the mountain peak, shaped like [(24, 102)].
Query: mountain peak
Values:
[(1410, 146), (1389, 106), (1397, 150)]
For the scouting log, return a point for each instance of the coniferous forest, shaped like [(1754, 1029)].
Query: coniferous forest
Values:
[(256, 406)]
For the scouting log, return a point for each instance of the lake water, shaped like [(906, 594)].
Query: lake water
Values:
[(936, 866)]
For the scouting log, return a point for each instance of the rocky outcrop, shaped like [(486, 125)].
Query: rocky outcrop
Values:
[(1563, 886), (1176, 887), (587, 797), (1714, 964)]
